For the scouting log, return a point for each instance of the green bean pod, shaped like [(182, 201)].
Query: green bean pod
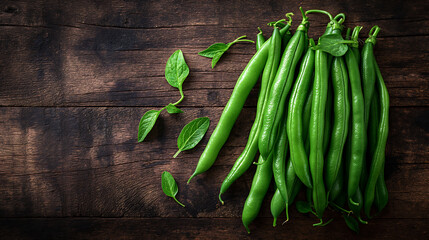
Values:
[(316, 130), (282, 83), (379, 154), (368, 71), (244, 85), (260, 184), (328, 115), (357, 131), (355, 46), (357, 209), (338, 184), (279, 163), (294, 185), (260, 39), (277, 205), (341, 110), (295, 128), (244, 161), (306, 120), (381, 194)]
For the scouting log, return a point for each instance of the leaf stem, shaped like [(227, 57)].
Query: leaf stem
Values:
[(353, 202), (177, 153), (320, 11), (181, 204), (182, 96), (321, 224), (340, 208), (239, 39)]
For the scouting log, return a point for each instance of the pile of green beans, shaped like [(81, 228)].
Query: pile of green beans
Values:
[(321, 125)]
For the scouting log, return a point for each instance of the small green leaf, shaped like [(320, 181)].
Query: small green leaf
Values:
[(216, 59), (352, 223), (216, 50), (146, 123), (333, 44), (192, 134), (303, 207), (176, 69), (172, 109), (169, 186)]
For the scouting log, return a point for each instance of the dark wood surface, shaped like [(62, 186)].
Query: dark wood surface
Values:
[(76, 76)]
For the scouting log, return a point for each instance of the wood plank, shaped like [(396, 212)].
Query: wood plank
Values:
[(204, 228), (49, 60), (399, 19), (86, 162)]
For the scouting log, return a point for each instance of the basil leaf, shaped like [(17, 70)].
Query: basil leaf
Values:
[(333, 44), (172, 109), (169, 186), (214, 49), (352, 223), (216, 59), (303, 207), (176, 69), (192, 134), (146, 123)]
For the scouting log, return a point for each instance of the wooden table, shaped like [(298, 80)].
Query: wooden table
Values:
[(76, 77)]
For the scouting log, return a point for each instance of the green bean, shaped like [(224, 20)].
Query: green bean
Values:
[(260, 39), (279, 163), (295, 126), (379, 154), (260, 184), (357, 131), (356, 209), (341, 110), (316, 129), (381, 194)]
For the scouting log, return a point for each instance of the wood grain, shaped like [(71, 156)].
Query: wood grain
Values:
[(76, 77)]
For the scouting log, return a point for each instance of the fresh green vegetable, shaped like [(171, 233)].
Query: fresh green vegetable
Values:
[(295, 128), (303, 207), (379, 154), (282, 83), (169, 186), (176, 71), (192, 134), (261, 182), (215, 51), (341, 120), (357, 133), (351, 222)]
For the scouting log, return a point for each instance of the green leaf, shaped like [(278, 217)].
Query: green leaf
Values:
[(216, 59), (176, 69), (172, 109), (303, 207), (352, 223), (169, 186), (216, 50), (333, 44), (146, 123), (192, 134)]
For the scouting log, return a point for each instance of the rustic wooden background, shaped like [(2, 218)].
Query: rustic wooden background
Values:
[(76, 76)]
